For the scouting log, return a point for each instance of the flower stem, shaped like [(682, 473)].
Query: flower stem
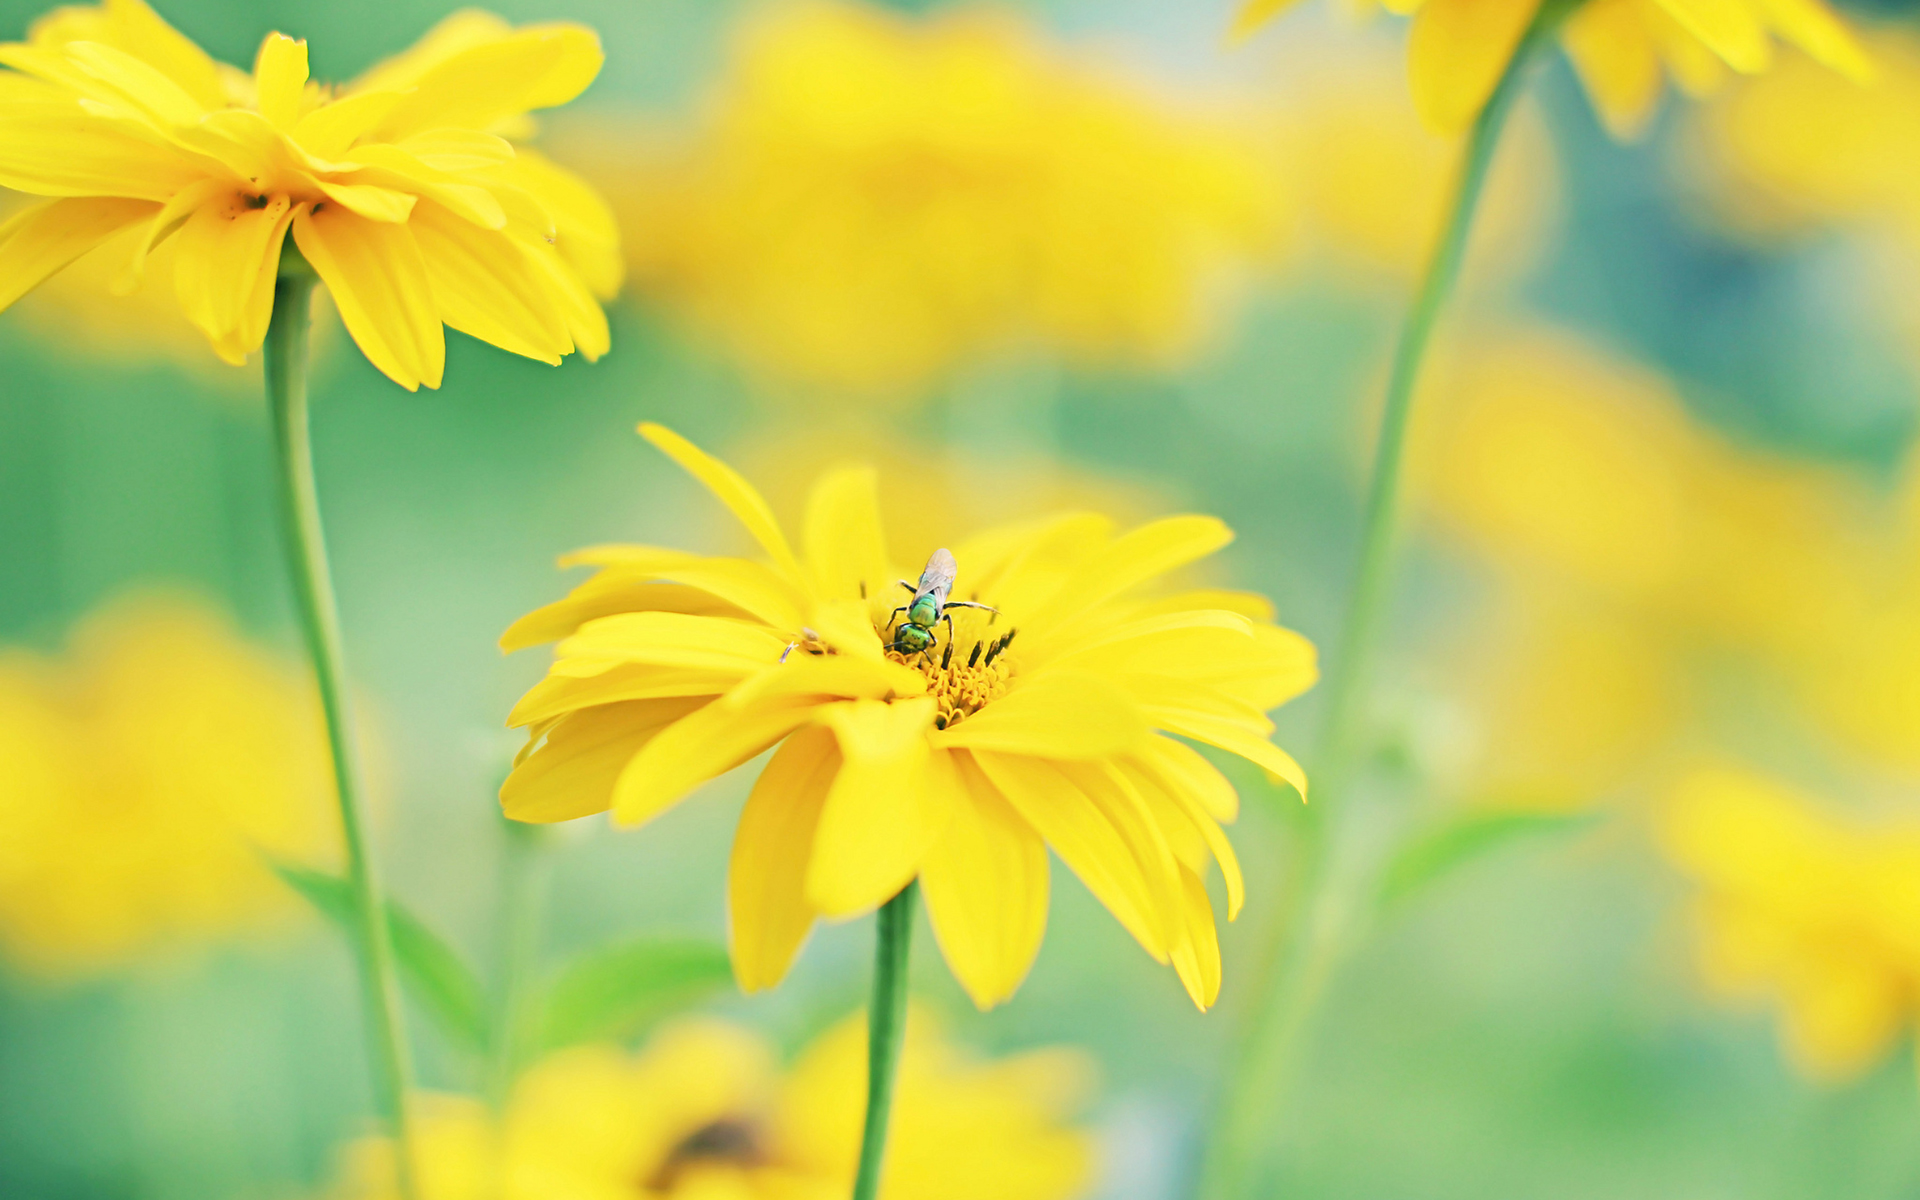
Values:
[(886, 1024), (1307, 944), (523, 878), (286, 377)]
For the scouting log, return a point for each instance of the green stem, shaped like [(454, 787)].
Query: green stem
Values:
[(286, 371), (886, 1025), (523, 874), (1307, 942)]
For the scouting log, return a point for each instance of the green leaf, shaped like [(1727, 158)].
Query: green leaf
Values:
[(618, 990), (443, 984), (1429, 857)]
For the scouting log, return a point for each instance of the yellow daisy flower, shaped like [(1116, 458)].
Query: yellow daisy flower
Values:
[(952, 747), (148, 768), (1624, 50), (704, 1112), (399, 189), (1817, 915)]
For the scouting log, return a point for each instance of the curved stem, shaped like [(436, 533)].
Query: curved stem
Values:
[(286, 377), (1306, 947), (886, 1025), (523, 877)]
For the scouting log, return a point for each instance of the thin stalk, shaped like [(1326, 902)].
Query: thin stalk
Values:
[(886, 1027), (523, 877), (286, 372), (1308, 940)]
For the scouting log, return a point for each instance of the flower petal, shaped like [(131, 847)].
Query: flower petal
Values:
[(1058, 714), (559, 693), (1730, 28), (709, 743), (1234, 738), (1617, 61), (604, 598), (38, 241), (1185, 769), (538, 66), (832, 677), (1132, 559), (1255, 13), (280, 76), (986, 885), (1196, 957), (70, 152), (573, 773), (380, 285), (1080, 832), (768, 914), (1456, 53), (845, 544), (881, 814), (485, 287), (727, 486), (670, 639), (1814, 28), (226, 257)]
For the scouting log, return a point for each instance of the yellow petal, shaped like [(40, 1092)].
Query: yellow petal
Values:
[(451, 35), (569, 295), (1255, 13), (881, 814), (279, 78), (148, 89), (1456, 53), (670, 639), (1080, 832), (1057, 713), (1178, 810), (1133, 558), (748, 586), (831, 677), (224, 256), (1021, 567), (711, 742), (586, 233), (457, 149), (845, 544), (1814, 28), (768, 914), (1234, 739), (604, 599), (329, 130), (1181, 766), (177, 209), (986, 886), (131, 26), (1730, 28), (38, 241), (539, 66), (72, 153), (380, 286), (1197, 956), (1617, 61), (573, 773), (558, 693), (730, 489), (485, 287)]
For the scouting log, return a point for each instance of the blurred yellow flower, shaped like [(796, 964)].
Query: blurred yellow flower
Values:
[(1820, 916), (1624, 50), (398, 188), (934, 745), (703, 1113), (873, 198), (147, 770)]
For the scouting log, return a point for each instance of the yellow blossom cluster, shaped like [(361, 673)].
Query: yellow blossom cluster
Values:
[(870, 199), (704, 1112), (148, 770)]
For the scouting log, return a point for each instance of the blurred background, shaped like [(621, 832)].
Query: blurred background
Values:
[(1656, 642)]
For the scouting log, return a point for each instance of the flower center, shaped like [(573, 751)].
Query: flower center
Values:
[(729, 1142), (963, 675)]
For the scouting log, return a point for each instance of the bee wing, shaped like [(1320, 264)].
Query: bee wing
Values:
[(937, 579)]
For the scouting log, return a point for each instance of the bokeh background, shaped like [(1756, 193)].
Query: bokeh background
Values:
[(1659, 611)]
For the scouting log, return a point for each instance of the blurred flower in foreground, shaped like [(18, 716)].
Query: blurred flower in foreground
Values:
[(703, 1113), (873, 198), (397, 189), (955, 752), (147, 771), (1820, 916), (1622, 49)]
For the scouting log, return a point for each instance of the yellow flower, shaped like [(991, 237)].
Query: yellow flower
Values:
[(703, 1113), (875, 198), (398, 189), (147, 772), (1820, 915), (1043, 723), (1624, 50)]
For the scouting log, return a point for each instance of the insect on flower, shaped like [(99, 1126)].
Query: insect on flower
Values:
[(929, 606)]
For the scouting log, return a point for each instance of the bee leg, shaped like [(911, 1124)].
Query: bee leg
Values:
[(911, 587), (949, 620), (972, 604), (788, 650), (891, 617)]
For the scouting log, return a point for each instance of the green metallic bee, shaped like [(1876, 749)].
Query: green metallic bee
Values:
[(929, 606)]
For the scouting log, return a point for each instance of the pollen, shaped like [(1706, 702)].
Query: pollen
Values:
[(962, 677)]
